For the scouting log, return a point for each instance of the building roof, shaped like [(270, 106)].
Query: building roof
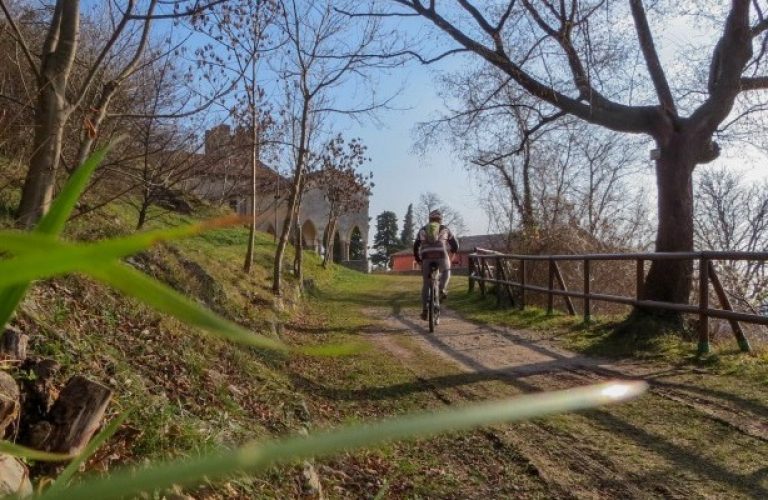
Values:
[(498, 242), (467, 244)]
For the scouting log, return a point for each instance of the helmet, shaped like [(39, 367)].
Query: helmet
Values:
[(435, 215)]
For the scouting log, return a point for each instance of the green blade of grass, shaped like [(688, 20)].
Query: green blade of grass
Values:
[(19, 451), (71, 469), (52, 224), (45, 256), (165, 299), (53, 221), (258, 456)]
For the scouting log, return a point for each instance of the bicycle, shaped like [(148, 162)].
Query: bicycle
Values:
[(433, 304)]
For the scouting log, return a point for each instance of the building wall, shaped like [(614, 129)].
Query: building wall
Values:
[(226, 186)]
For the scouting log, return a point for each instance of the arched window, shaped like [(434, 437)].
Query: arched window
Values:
[(356, 245)]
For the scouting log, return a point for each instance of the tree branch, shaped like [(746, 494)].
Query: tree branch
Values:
[(645, 38), (754, 83), (20, 39), (193, 11)]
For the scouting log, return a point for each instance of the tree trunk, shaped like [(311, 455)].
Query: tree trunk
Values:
[(76, 415), (142, 215), (51, 112), (293, 201), (254, 169), (298, 259), (329, 242), (36, 196), (668, 280)]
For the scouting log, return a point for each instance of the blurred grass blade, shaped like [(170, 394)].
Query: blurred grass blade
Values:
[(71, 469), (52, 224), (38, 260), (258, 456), (19, 451), (165, 299)]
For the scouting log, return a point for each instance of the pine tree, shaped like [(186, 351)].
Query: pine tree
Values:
[(406, 237), (385, 242)]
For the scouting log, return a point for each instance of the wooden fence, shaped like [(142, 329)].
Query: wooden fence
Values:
[(487, 266)]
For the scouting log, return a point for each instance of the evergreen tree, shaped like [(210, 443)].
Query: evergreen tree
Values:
[(385, 242), (406, 237)]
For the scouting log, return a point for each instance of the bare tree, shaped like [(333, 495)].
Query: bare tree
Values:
[(731, 215), (324, 53), (346, 188), (57, 96), (530, 41), (240, 38), (451, 217)]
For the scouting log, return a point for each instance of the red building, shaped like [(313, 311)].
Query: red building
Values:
[(403, 260)]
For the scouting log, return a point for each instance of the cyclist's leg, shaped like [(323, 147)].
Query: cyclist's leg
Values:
[(445, 275), (426, 284)]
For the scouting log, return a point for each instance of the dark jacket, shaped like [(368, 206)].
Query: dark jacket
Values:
[(445, 242)]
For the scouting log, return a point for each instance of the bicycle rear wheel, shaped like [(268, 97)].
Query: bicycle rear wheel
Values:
[(431, 311)]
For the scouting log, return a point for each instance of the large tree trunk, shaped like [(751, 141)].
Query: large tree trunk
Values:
[(670, 280), (51, 112), (36, 196)]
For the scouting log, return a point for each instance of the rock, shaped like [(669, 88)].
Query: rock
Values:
[(311, 487), (302, 412), (39, 433), (9, 401), (14, 477), (76, 415), (14, 344)]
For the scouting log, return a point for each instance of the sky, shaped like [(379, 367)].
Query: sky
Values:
[(402, 174)]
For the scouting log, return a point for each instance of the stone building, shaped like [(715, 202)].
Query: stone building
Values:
[(226, 179)]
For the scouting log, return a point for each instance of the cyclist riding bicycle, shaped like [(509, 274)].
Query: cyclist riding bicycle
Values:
[(433, 245)]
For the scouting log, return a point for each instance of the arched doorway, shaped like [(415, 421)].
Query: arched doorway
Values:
[(356, 245), (309, 235), (338, 250)]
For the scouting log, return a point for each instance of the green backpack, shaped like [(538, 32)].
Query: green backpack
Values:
[(433, 232)]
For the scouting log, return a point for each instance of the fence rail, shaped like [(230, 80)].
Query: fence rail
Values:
[(489, 267)]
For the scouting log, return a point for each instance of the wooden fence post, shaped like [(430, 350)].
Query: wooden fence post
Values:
[(483, 267), (522, 284), (551, 286), (499, 276), (640, 278), (587, 302), (741, 339), (563, 287), (703, 306), (470, 273)]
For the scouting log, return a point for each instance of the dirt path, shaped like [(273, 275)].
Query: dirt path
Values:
[(690, 437)]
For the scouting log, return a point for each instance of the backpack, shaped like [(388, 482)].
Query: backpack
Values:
[(432, 231)]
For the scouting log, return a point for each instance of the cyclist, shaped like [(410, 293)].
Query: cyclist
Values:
[(433, 244)]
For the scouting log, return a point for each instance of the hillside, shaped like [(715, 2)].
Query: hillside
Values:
[(184, 392)]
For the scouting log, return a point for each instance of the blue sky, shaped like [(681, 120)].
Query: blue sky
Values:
[(400, 174)]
